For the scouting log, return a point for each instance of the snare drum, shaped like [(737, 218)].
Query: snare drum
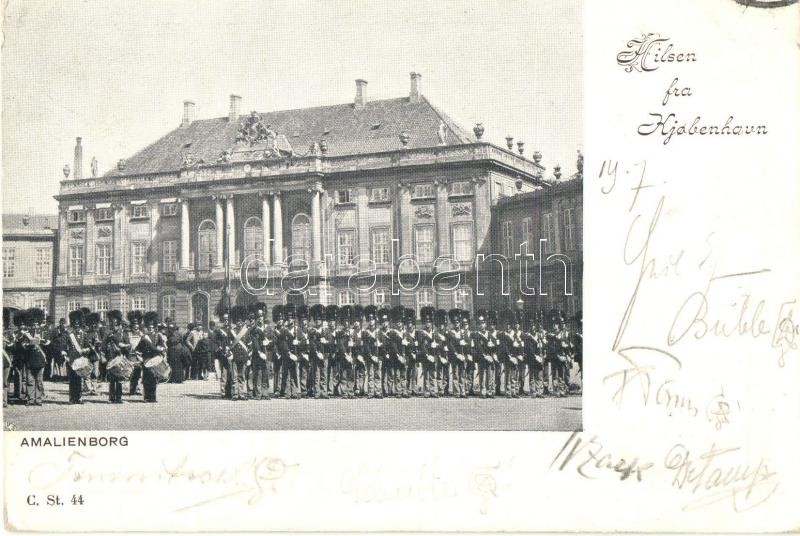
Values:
[(159, 368), (120, 368), (82, 367)]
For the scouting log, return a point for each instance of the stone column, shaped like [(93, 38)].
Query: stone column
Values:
[(220, 227), (442, 219), (266, 225), (278, 226), (230, 227), (185, 235), (316, 226), (90, 239)]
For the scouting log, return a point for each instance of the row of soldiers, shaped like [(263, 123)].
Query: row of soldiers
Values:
[(348, 351)]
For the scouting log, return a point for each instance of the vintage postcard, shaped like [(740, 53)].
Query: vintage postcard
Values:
[(335, 266)]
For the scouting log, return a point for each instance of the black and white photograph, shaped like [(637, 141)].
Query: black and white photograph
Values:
[(378, 228)]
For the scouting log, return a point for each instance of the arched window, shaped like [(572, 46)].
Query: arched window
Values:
[(206, 245), (253, 237), (301, 237)]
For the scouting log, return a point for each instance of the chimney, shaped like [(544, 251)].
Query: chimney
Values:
[(361, 93), (78, 173), (236, 102), (188, 113), (414, 94)]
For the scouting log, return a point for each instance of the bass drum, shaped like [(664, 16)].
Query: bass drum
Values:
[(120, 368), (159, 367)]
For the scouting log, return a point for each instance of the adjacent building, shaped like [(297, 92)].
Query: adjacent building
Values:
[(301, 206), (29, 251)]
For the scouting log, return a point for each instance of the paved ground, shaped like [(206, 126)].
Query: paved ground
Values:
[(196, 405)]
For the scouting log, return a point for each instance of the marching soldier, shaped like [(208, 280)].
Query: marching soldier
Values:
[(509, 353), (442, 353), (409, 344), (302, 350), (470, 366), (345, 368), (135, 322), (75, 349), (320, 339), (260, 358), (117, 343), (396, 360), (356, 346), (224, 336), (287, 348), (372, 350), (33, 355), (428, 353), (239, 352), (457, 355), (152, 344), (94, 343), (484, 351)]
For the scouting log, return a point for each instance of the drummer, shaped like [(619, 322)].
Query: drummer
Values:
[(75, 350), (151, 345), (117, 343)]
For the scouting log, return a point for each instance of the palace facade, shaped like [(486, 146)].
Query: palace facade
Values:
[(344, 204), (29, 246)]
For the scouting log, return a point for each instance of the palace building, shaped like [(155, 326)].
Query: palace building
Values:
[(301, 206), (29, 243)]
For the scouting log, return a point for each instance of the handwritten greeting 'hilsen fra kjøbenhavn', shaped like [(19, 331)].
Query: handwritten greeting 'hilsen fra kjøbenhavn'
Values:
[(647, 54)]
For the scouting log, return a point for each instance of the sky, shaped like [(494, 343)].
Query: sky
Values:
[(116, 73)]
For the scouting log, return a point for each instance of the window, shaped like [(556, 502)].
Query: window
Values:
[(139, 303), (104, 214), (379, 195), (422, 191), (43, 304), (569, 228), (206, 245), (73, 305), (169, 209), (380, 245), (462, 298), (527, 234), (76, 216), (140, 211), (508, 239), (462, 242), (346, 297), (101, 306), (169, 256), (548, 231), (103, 259), (423, 243), (460, 188), (75, 260), (424, 298), (138, 258), (301, 238), (380, 297), (343, 197), (9, 262), (168, 306), (345, 247)]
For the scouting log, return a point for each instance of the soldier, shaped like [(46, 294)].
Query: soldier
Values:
[(442, 353), (35, 358), (288, 343), (8, 351), (303, 351), (470, 365), (260, 359), (484, 351), (240, 352), (319, 340), (409, 344), (427, 353), (152, 344), (372, 351), (75, 349), (135, 334), (345, 371), (457, 355), (272, 344), (396, 360), (224, 336), (577, 345), (510, 353), (93, 342), (116, 343)]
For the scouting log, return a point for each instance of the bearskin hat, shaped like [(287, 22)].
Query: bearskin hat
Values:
[(135, 317), (384, 314), (289, 311), (75, 318), (330, 312), (115, 314), (92, 319), (238, 313), (85, 311), (357, 314), (150, 318), (426, 313), (345, 313), (397, 313), (455, 315), (465, 316), (21, 317), (409, 315), (35, 315), (370, 311), (440, 317), (317, 311), (277, 313)]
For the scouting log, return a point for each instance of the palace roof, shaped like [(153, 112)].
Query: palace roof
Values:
[(21, 225), (346, 130)]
